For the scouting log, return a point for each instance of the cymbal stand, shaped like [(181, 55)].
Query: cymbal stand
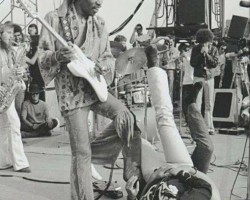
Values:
[(116, 84), (181, 90)]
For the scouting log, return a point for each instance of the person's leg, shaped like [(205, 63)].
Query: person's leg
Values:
[(185, 94), (123, 126), (45, 128), (209, 103), (16, 146), (5, 160), (200, 94), (19, 101), (80, 176), (204, 147), (170, 74), (175, 150)]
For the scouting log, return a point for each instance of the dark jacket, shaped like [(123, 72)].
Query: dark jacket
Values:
[(199, 61)]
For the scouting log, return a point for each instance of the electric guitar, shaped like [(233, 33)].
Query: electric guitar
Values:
[(81, 66)]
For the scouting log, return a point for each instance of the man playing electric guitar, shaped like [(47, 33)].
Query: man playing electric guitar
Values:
[(77, 23)]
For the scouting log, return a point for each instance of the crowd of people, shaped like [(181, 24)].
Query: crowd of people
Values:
[(35, 60)]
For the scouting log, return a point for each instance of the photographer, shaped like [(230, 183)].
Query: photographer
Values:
[(137, 32), (240, 62), (170, 61)]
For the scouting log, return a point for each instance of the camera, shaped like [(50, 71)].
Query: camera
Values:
[(237, 45)]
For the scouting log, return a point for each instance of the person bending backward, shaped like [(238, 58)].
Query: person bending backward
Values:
[(11, 146), (76, 96), (173, 177)]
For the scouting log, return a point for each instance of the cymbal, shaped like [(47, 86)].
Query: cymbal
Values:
[(130, 61)]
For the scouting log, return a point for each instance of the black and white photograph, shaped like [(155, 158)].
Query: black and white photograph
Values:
[(124, 99)]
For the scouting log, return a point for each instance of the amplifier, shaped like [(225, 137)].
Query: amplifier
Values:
[(227, 105)]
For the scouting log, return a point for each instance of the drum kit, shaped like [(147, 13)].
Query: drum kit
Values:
[(131, 88)]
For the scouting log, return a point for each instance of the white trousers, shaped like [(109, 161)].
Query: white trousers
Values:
[(208, 88), (11, 146), (175, 150)]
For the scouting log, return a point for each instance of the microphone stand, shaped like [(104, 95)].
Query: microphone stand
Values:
[(116, 84)]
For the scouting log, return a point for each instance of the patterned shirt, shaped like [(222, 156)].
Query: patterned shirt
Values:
[(9, 60), (73, 92)]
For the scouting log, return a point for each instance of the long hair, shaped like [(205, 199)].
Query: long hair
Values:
[(35, 26), (204, 35)]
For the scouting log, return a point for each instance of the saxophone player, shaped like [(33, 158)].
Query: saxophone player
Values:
[(11, 146)]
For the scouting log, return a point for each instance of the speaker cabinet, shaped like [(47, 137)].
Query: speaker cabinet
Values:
[(191, 12), (226, 105), (239, 27)]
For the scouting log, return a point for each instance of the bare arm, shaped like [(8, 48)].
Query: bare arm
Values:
[(32, 60), (133, 37)]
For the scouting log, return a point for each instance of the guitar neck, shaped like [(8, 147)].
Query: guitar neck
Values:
[(53, 32)]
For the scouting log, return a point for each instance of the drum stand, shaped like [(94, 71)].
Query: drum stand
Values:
[(181, 90)]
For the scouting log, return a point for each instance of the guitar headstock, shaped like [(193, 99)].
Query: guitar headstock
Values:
[(26, 6)]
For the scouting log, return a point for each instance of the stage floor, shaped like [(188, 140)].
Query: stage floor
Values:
[(50, 163)]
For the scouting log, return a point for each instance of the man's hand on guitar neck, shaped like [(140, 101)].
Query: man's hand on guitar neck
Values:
[(65, 54)]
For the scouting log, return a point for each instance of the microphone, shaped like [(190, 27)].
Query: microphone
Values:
[(245, 4)]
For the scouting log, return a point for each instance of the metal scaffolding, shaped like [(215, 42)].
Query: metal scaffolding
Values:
[(15, 9)]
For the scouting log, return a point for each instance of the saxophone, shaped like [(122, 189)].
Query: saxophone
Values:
[(13, 84)]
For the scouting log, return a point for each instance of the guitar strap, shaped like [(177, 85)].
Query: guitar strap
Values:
[(66, 29)]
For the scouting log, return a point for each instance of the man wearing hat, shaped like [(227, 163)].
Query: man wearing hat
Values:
[(35, 120)]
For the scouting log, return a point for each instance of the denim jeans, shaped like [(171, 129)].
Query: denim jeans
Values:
[(204, 146), (43, 130), (105, 149)]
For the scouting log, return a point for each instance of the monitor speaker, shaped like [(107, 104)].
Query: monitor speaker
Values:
[(191, 12), (239, 27), (226, 105)]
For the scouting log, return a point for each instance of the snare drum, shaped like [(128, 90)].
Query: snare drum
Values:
[(136, 94)]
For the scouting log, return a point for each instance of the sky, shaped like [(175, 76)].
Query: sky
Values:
[(116, 11)]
